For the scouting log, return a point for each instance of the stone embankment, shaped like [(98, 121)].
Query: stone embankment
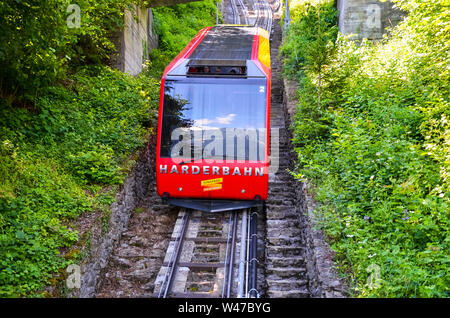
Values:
[(298, 260)]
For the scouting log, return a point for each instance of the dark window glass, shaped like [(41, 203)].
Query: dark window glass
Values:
[(216, 119)]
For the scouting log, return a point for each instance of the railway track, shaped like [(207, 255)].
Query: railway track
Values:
[(264, 15), (240, 12), (284, 257), (249, 12), (210, 255)]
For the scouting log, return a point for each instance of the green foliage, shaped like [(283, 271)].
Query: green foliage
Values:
[(306, 50), (37, 46), (74, 140), (373, 139), (308, 43), (95, 165)]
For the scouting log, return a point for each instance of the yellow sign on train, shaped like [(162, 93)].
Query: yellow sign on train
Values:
[(211, 182)]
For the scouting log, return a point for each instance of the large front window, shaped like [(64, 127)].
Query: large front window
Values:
[(214, 118)]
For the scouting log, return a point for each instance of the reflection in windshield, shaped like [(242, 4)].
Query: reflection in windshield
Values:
[(224, 116)]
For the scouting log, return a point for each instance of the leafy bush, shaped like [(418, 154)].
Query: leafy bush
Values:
[(75, 140), (95, 165), (309, 39), (376, 149)]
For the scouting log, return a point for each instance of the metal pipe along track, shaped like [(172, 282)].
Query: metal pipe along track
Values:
[(243, 260)]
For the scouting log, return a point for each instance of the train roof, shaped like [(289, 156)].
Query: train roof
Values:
[(246, 47), (226, 43)]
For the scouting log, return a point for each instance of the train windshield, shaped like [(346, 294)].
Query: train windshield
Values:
[(214, 118)]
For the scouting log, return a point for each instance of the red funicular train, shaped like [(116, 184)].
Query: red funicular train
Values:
[(213, 131)]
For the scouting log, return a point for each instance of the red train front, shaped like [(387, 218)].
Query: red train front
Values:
[(213, 132)]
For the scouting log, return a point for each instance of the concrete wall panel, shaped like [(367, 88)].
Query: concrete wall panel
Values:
[(136, 41), (367, 18)]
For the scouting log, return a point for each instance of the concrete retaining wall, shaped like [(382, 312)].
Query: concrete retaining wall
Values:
[(136, 41), (367, 18)]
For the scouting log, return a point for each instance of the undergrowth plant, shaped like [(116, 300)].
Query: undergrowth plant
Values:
[(372, 137), (54, 162)]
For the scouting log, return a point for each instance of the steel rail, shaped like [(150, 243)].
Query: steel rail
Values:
[(247, 263), (253, 255), (256, 9), (172, 265), (263, 20), (244, 11), (270, 17), (231, 257)]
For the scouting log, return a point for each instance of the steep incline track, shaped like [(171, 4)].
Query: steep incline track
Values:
[(285, 254), (208, 256), (249, 12), (197, 262), (285, 266), (141, 263)]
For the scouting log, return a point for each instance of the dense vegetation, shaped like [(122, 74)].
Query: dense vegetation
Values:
[(69, 125), (54, 161), (372, 133), (40, 42)]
